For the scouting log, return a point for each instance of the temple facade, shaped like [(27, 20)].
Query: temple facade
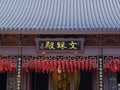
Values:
[(60, 45)]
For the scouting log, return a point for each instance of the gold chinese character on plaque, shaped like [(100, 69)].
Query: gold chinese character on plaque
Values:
[(49, 45), (72, 45), (61, 45)]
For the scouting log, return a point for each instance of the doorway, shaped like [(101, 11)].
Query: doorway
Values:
[(3, 81), (61, 81), (39, 81), (85, 81)]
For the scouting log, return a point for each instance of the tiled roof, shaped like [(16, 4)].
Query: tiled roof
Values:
[(59, 15)]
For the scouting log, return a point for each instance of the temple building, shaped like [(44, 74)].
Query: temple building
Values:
[(60, 45)]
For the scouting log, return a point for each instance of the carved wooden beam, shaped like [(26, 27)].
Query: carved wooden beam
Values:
[(20, 39), (100, 39), (2, 39)]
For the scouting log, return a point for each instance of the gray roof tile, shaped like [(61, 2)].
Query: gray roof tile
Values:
[(60, 15)]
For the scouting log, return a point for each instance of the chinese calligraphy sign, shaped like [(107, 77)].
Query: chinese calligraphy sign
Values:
[(59, 44)]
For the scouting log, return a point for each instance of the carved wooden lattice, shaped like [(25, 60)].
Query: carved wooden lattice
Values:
[(11, 81), (92, 59)]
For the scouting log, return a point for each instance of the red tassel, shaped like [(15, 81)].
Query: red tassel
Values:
[(89, 65), (10, 67), (75, 65), (119, 65), (25, 69), (86, 65), (55, 65), (59, 67), (82, 65), (38, 66), (71, 66), (51, 66), (43, 66), (63, 65), (47, 66), (1, 67), (67, 66), (59, 77), (79, 65)]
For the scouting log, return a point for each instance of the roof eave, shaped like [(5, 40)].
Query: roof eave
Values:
[(59, 32)]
